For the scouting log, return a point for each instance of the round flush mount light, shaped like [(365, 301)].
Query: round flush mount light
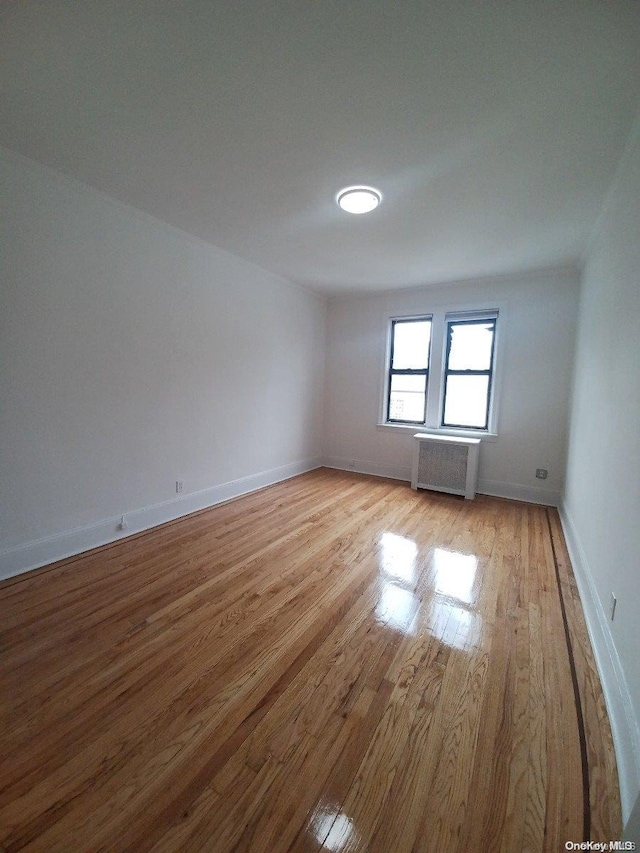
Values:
[(359, 199)]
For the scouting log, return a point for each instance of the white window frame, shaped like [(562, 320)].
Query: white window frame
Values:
[(439, 317), (392, 322)]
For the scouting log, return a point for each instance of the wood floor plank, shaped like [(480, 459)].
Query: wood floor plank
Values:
[(601, 761), (335, 663)]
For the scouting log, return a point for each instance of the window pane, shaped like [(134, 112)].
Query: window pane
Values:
[(471, 346), (466, 401), (411, 344), (406, 401)]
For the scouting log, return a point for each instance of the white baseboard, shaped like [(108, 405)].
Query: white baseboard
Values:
[(361, 466), (625, 725), (513, 491), (41, 552), (518, 492)]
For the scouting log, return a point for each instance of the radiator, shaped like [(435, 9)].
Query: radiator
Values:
[(445, 464)]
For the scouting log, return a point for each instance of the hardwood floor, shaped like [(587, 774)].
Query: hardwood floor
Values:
[(334, 663)]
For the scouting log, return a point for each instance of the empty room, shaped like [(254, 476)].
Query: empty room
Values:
[(319, 405)]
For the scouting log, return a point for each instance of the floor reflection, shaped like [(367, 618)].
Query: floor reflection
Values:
[(397, 604), (334, 831), (396, 607), (455, 574), (463, 630), (450, 611), (399, 557)]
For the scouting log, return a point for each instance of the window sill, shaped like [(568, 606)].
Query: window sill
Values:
[(459, 433)]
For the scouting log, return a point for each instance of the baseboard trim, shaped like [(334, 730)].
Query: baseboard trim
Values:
[(625, 726), (495, 488), (518, 492), (32, 555), (361, 466)]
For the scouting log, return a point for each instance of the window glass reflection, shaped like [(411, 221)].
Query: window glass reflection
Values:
[(398, 557), (455, 626), (455, 574), (396, 607), (334, 831)]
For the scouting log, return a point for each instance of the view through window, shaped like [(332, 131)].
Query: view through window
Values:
[(409, 370), (468, 373)]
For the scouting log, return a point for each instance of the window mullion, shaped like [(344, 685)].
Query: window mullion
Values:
[(436, 376)]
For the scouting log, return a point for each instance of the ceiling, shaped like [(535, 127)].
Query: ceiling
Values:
[(493, 129)]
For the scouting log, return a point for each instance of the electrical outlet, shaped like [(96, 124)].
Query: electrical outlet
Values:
[(541, 473), (612, 606), (179, 486)]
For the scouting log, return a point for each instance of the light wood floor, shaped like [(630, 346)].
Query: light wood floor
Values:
[(334, 663)]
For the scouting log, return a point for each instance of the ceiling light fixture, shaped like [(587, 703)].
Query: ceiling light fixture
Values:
[(359, 199)]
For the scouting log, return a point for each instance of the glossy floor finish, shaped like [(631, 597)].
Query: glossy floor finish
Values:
[(334, 663)]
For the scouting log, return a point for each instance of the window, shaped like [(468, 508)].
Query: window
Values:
[(468, 373), (440, 371), (408, 370)]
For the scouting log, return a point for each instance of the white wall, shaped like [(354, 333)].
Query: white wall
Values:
[(632, 827), (537, 321), (602, 501), (133, 356)]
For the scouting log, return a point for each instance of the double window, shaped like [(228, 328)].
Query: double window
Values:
[(440, 371)]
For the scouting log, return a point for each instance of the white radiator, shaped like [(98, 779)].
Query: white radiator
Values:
[(445, 464)]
